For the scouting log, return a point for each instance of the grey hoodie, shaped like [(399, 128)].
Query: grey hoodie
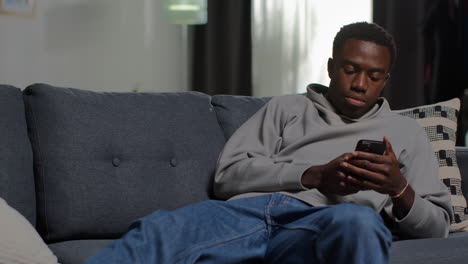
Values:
[(270, 152)]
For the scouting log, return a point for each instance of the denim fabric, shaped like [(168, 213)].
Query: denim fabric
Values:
[(266, 229)]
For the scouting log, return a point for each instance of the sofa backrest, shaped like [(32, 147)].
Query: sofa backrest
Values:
[(102, 160), (16, 173), (233, 110), (462, 158)]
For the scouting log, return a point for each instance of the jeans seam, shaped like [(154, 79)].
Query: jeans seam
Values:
[(274, 203), (218, 242), (276, 200), (317, 230)]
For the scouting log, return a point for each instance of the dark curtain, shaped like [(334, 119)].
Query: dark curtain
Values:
[(429, 67), (464, 5), (443, 50), (463, 123), (221, 60), (428, 34), (403, 19)]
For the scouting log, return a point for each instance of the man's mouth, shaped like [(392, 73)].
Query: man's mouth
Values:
[(355, 102)]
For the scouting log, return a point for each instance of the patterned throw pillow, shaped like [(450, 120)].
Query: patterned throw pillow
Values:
[(440, 123)]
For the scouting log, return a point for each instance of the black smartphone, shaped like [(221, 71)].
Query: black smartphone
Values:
[(372, 146)]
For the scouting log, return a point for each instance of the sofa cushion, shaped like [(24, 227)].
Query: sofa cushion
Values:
[(16, 171), (102, 160), (462, 161), (427, 251), (77, 251), (233, 111), (439, 121), (458, 234)]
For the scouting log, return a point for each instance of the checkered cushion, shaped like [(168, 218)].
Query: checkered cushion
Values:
[(440, 123)]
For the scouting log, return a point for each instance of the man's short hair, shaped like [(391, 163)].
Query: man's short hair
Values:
[(368, 32)]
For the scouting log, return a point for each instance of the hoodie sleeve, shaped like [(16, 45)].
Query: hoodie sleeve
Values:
[(248, 162), (431, 213)]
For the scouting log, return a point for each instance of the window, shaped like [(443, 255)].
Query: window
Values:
[(292, 41)]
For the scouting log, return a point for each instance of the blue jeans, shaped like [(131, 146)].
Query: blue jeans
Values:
[(272, 228)]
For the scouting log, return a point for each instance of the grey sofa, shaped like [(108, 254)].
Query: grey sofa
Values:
[(81, 165)]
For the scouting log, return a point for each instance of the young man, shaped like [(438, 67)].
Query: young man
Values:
[(297, 191)]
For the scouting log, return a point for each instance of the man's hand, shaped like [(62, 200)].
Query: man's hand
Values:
[(331, 178), (380, 173)]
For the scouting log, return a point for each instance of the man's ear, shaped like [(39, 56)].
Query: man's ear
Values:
[(386, 79), (330, 66), (384, 85)]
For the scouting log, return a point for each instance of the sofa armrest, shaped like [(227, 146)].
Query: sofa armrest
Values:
[(462, 160)]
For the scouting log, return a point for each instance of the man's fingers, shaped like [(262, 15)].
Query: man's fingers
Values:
[(363, 185), (347, 187), (355, 184), (375, 158), (370, 166), (349, 156), (388, 147), (364, 173)]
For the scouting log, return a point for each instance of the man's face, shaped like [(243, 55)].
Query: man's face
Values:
[(358, 74)]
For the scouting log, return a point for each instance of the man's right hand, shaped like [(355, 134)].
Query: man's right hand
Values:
[(330, 178)]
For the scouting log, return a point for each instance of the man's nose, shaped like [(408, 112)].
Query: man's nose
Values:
[(359, 83)]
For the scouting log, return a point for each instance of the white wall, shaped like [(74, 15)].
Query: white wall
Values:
[(101, 45)]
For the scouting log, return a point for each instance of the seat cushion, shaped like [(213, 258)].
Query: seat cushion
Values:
[(103, 160), (458, 234), (451, 250), (76, 251), (16, 170)]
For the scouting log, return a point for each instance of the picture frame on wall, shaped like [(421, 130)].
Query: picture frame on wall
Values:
[(26, 8)]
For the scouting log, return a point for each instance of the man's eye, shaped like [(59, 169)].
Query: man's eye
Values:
[(376, 77), (349, 71)]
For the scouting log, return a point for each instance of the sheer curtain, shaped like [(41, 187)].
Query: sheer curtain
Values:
[(292, 41)]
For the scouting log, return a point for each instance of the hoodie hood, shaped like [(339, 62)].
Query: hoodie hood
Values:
[(318, 95)]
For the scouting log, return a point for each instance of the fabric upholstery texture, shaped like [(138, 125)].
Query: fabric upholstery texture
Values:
[(16, 180), (77, 251), (440, 123), (430, 251), (102, 160), (462, 154), (233, 111)]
